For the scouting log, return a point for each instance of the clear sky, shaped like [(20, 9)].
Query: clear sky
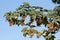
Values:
[(14, 32)]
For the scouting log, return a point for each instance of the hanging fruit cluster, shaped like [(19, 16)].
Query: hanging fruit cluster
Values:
[(49, 18)]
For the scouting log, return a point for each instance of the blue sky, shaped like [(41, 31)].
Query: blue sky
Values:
[(14, 32)]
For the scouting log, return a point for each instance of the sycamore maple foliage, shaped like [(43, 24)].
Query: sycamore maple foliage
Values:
[(36, 13)]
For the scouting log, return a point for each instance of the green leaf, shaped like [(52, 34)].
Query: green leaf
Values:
[(19, 8), (24, 29), (34, 31), (24, 34)]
